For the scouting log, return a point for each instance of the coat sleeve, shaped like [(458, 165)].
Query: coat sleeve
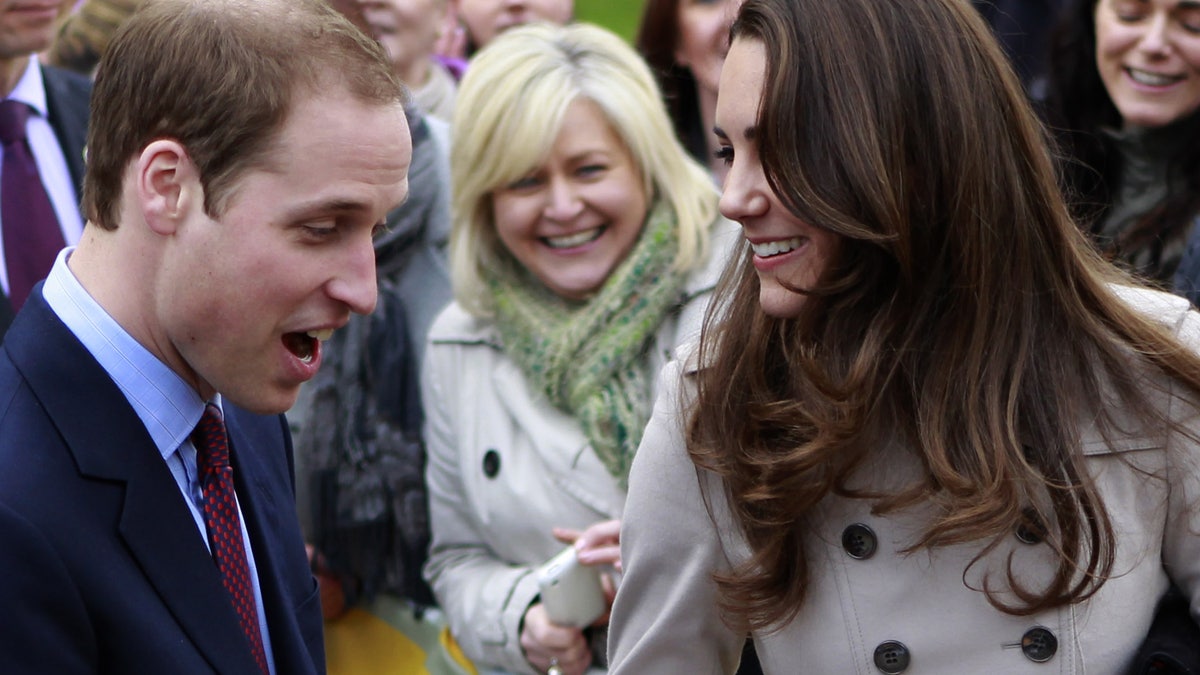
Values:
[(484, 598), (665, 617)]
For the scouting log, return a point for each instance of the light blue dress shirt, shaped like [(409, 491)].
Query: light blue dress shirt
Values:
[(168, 406)]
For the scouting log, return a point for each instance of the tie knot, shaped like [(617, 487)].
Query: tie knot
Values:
[(13, 115), (212, 448)]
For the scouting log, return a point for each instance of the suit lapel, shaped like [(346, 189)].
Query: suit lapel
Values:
[(109, 442), (67, 100)]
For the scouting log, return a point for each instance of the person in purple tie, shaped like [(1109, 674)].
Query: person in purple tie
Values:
[(43, 123), (241, 156)]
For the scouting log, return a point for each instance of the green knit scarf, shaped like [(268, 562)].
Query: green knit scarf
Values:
[(590, 358)]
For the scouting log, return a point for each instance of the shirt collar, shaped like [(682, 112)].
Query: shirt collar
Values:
[(30, 89), (167, 405)]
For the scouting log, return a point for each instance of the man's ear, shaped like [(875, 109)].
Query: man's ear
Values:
[(168, 185)]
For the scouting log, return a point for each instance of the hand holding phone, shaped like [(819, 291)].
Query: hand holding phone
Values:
[(571, 592)]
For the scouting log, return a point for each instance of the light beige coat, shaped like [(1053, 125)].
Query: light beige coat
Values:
[(491, 532), (665, 620)]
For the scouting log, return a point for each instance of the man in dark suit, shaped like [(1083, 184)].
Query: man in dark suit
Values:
[(56, 129), (241, 155)]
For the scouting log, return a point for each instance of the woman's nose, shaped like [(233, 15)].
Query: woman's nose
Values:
[(562, 200)]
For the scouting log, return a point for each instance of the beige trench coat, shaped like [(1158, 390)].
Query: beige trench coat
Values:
[(873, 610), (505, 466)]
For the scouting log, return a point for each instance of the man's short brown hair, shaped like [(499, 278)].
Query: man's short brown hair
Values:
[(219, 76)]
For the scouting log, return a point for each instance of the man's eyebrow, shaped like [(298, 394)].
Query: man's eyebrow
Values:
[(336, 205)]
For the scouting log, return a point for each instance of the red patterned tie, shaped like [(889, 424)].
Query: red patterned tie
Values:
[(224, 525), (31, 235)]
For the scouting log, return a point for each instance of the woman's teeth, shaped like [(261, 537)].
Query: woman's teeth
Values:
[(321, 335), (1152, 79), (573, 240), (776, 247)]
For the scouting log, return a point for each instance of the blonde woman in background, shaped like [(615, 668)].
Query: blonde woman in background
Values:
[(584, 248)]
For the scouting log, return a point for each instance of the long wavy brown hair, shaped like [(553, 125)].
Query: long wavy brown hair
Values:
[(966, 321)]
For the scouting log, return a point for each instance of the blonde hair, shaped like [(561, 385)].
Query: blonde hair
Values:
[(511, 104)]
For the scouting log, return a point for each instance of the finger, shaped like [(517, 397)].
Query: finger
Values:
[(610, 588), (544, 636), (565, 535), (603, 555), (576, 661), (605, 533)]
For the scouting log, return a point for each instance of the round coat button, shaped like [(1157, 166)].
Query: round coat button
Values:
[(1030, 530), (491, 463), (1039, 645), (859, 541), (891, 657)]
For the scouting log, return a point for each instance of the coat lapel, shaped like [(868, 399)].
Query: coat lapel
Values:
[(109, 442)]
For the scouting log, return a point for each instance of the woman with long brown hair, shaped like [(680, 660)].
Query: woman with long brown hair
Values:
[(926, 426)]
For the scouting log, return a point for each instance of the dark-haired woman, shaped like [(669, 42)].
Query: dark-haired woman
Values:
[(1123, 97), (927, 428), (684, 41)]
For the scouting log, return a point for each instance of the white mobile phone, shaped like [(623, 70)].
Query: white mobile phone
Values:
[(571, 592)]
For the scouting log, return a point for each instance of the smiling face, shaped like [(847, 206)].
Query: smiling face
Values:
[(485, 19), (239, 297), (1148, 55), (575, 217), (408, 30), (788, 252), (703, 38)]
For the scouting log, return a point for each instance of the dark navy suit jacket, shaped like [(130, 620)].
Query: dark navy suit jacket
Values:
[(102, 568), (68, 96)]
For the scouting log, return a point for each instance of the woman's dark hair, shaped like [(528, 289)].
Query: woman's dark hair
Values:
[(657, 40), (966, 330), (1079, 111)]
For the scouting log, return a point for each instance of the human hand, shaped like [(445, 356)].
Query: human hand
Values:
[(599, 544), (451, 39), (333, 596), (547, 644)]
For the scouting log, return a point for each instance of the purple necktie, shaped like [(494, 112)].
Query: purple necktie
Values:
[(225, 526), (32, 237)]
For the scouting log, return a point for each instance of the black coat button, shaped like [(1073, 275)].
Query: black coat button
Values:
[(859, 541), (891, 657), (1039, 645), (491, 463), (1030, 530)]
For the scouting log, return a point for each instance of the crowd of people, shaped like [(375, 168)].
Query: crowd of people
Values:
[(849, 336)]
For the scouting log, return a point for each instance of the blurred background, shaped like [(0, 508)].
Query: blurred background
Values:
[(620, 16)]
